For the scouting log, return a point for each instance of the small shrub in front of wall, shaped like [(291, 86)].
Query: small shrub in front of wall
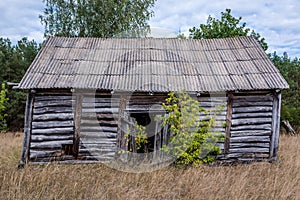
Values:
[(3, 114), (191, 141), (141, 137)]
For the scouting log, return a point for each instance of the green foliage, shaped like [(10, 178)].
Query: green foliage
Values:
[(227, 26), (141, 136), (3, 102), (181, 36), (290, 69), (14, 61), (191, 141), (97, 18), (138, 133)]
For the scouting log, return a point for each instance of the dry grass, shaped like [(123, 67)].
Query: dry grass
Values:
[(254, 181)]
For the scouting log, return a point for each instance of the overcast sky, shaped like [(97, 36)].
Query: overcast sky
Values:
[(276, 20)]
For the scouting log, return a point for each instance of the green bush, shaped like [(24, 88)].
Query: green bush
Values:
[(191, 142), (3, 107)]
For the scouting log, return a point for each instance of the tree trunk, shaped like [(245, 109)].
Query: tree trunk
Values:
[(288, 127)]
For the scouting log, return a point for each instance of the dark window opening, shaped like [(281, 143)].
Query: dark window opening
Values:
[(141, 118), (67, 149), (153, 130)]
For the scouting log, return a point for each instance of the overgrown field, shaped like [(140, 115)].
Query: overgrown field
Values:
[(253, 181)]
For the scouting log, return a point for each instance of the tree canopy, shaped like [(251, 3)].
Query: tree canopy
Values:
[(14, 61), (97, 18), (227, 26), (290, 69)]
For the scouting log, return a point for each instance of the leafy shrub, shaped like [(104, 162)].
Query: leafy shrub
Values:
[(141, 136), (191, 140), (3, 102)]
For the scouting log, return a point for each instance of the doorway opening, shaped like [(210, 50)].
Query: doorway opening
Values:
[(153, 129)]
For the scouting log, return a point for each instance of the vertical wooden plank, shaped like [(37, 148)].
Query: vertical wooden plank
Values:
[(120, 137), (27, 129), (158, 132), (133, 134), (156, 139), (166, 134), (275, 126), (228, 123), (277, 130), (78, 111)]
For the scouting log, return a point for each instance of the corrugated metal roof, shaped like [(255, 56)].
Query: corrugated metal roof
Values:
[(148, 64)]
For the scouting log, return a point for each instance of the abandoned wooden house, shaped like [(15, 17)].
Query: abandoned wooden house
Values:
[(81, 92)]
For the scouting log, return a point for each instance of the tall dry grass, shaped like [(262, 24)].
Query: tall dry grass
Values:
[(252, 181)]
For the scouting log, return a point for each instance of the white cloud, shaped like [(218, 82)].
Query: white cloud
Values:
[(277, 21), (19, 19)]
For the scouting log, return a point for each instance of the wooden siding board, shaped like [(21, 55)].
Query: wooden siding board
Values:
[(27, 129), (249, 150), (52, 125), (277, 129), (249, 145), (41, 138), (251, 125), (250, 133), (228, 123), (53, 117), (61, 130), (77, 125), (98, 133), (275, 126), (57, 144)]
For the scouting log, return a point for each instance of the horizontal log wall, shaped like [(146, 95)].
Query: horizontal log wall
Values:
[(215, 108), (52, 127), (251, 126), (98, 128)]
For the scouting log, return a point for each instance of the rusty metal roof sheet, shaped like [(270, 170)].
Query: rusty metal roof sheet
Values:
[(149, 64)]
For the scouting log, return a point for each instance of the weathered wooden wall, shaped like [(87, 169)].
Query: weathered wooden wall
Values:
[(215, 106), (98, 127), (52, 127), (59, 120), (250, 128)]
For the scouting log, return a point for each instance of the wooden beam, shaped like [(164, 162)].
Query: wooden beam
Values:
[(78, 111), (27, 129), (53, 131), (41, 98), (266, 127), (52, 124), (228, 123), (251, 121), (120, 136), (53, 117), (53, 91), (275, 126), (252, 109)]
